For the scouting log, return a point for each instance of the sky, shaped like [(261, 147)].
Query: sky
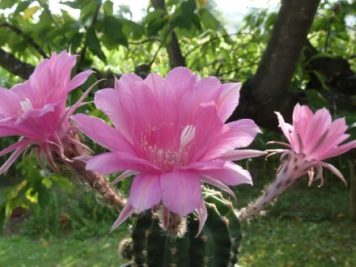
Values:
[(232, 10), (231, 7)]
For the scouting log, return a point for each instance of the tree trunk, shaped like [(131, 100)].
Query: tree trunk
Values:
[(175, 55), (268, 91)]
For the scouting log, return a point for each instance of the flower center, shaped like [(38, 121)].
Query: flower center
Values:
[(167, 146)]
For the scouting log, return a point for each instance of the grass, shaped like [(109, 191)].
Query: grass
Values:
[(296, 243), (267, 242), (306, 227), (69, 251)]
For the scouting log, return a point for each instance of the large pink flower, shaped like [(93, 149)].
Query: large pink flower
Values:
[(170, 134), (36, 109), (312, 138)]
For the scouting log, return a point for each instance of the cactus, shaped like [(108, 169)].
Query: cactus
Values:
[(217, 244)]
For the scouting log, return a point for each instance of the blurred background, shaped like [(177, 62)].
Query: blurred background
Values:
[(283, 52)]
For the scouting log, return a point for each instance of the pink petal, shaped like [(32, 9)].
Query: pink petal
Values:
[(206, 90), (242, 132), (63, 64), (37, 113), (79, 79), (237, 134), (126, 212), (116, 106), (9, 102), (230, 174), (334, 171), (228, 99), (6, 131), (10, 128), (126, 81), (335, 136), (14, 146), (111, 162), (219, 185), (107, 101), (205, 165), (202, 216), (209, 129), (53, 73), (286, 128), (234, 155), (123, 176), (156, 84), (181, 192), (179, 81), (302, 116), (340, 150), (145, 192), (41, 123), (319, 123), (97, 130), (4, 168)]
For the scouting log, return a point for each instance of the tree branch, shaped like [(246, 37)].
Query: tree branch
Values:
[(92, 24), (28, 38), (268, 89), (97, 182), (175, 55), (14, 65)]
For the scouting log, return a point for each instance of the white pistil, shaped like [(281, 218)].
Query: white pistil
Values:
[(186, 136), (26, 105)]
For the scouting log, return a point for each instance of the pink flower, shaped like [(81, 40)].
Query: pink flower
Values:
[(170, 134), (36, 109), (312, 138)]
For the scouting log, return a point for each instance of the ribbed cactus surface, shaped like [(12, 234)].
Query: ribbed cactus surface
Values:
[(216, 246)]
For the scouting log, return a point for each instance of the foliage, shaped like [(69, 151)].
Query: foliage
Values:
[(29, 187), (110, 41), (282, 238)]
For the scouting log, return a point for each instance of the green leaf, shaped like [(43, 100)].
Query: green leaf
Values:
[(316, 99), (112, 28), (132, 29), (7, 3), (75, 41), (72, 4), (322, 79), (3, 37), (29, 12), (43, 194), (183, 16), (2, 218), (63, 182), (270, 21), (155, 21), (208, 20), (94, 44), (88, 10), (22, 6), (108, 8), (2, 197)]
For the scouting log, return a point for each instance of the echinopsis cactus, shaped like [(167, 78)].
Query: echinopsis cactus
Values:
[(216, 245), (171, 135)]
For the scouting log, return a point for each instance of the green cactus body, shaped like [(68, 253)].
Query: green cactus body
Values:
[(216, 246)]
